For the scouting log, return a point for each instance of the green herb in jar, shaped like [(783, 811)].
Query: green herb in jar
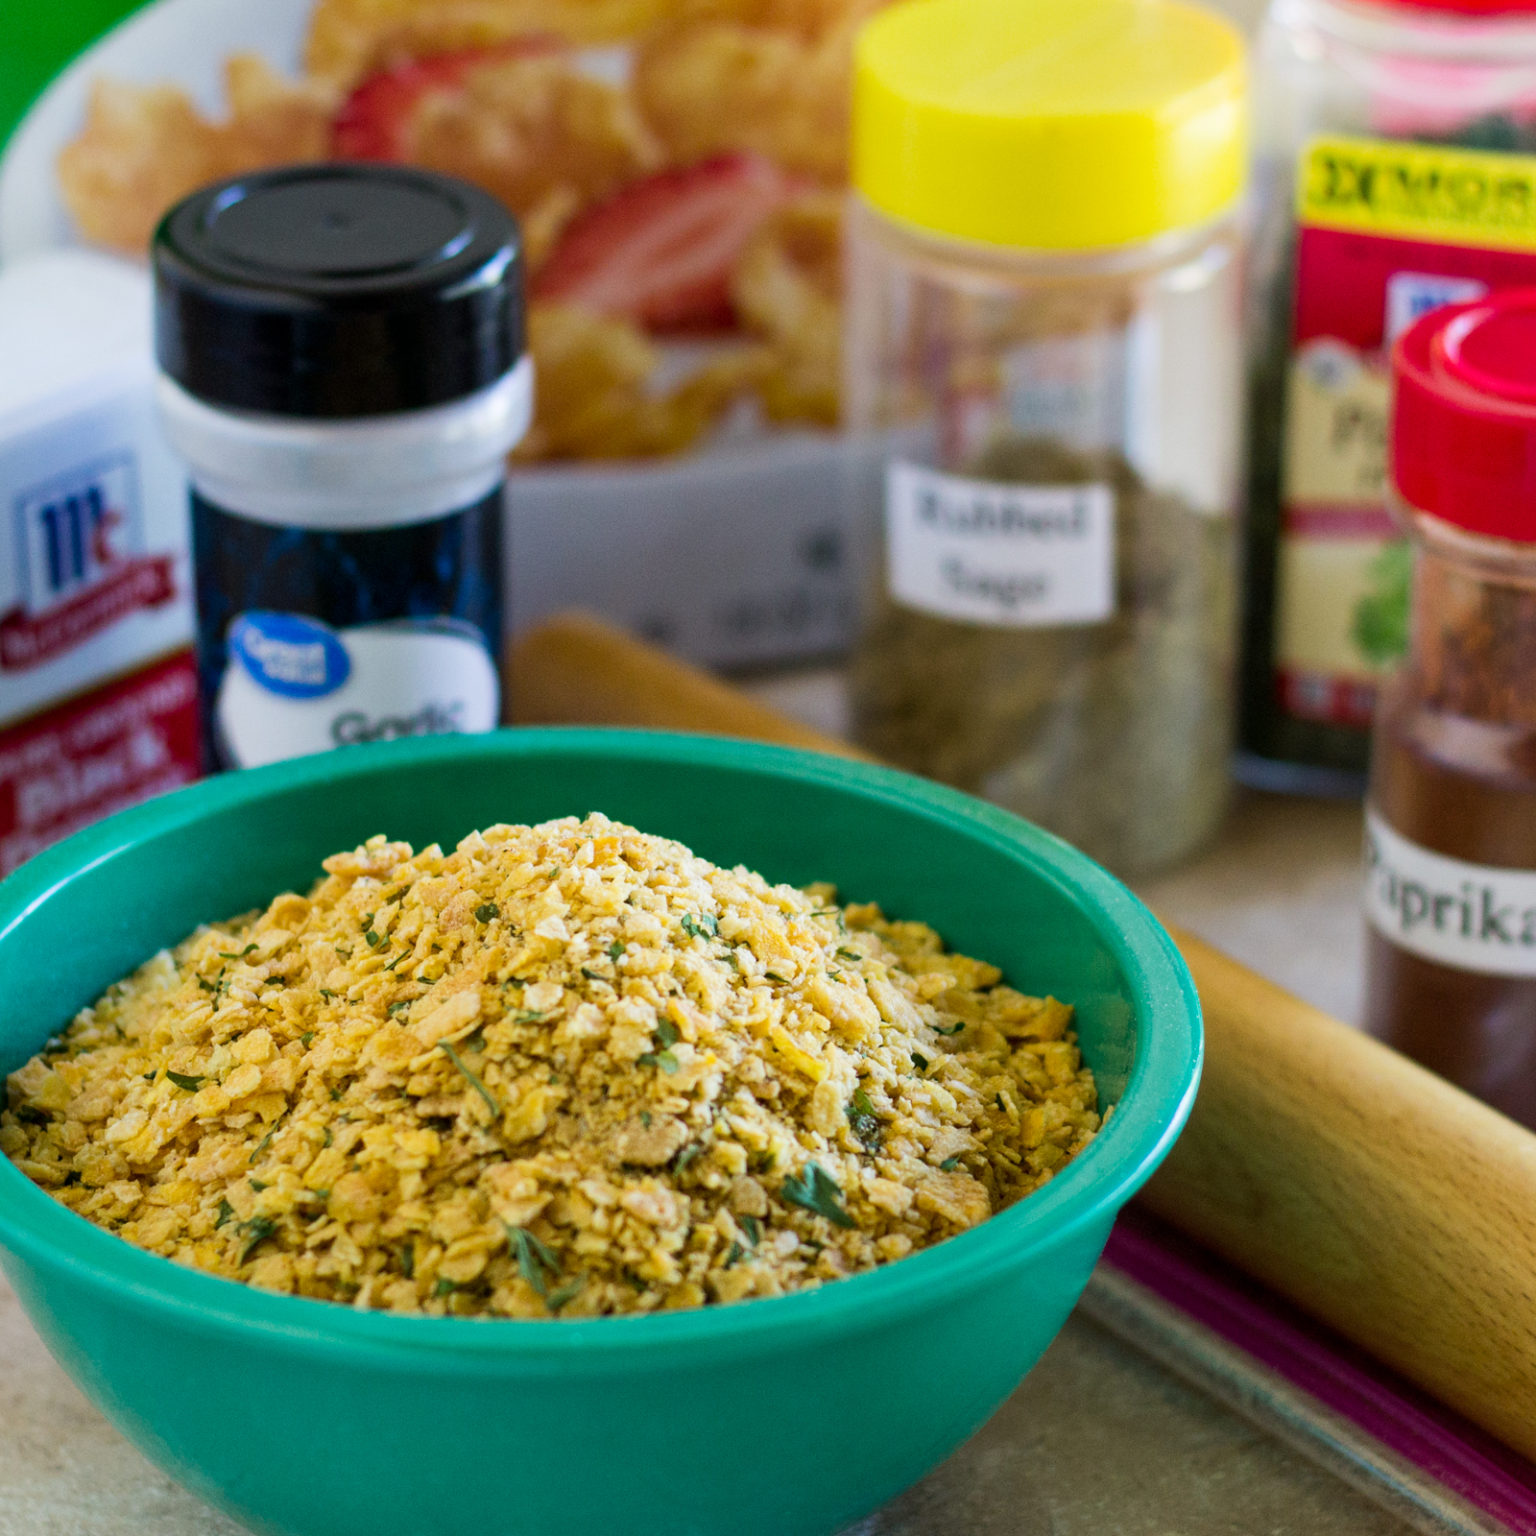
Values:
[(1114, 734)]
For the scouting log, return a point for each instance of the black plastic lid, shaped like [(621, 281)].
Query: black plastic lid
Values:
[(341, 290)]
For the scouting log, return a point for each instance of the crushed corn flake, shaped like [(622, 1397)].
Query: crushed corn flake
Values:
[(568, 1069)]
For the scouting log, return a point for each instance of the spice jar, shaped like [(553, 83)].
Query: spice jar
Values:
[(1395, 171), (342, 366), (1042, 387), (1451, 825)]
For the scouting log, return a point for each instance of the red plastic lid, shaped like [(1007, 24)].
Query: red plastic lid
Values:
[(1463, 438), (1465, 7)]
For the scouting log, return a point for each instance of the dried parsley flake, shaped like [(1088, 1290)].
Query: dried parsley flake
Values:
[(816, 1190)]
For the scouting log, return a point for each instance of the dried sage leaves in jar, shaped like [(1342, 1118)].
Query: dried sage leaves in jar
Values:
[(1113, 734)]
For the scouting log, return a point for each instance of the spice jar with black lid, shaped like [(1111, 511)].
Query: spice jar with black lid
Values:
[(1043, 395), (1451, 819), (343, 368)]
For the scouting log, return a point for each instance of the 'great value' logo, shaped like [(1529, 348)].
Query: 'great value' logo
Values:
[(289, 655)]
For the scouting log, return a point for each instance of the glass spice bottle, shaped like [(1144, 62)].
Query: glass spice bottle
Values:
[(1451, 819), (1395, 170), (1043, 395)]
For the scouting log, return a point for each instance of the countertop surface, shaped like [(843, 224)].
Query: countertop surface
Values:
[(1098, 1439)]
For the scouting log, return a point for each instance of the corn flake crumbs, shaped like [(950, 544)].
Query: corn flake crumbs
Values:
[(569, 1069)]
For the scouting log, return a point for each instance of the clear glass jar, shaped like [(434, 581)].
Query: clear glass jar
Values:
[(1326, 591), (1451, 818), (1048, 450), (1118, 373)]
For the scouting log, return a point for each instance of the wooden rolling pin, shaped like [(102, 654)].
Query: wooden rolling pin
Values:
[(1386, 1202)]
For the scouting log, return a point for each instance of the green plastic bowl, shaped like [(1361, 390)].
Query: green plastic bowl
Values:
[(769, 1418)]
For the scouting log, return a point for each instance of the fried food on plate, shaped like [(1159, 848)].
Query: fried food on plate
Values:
[(597, 396), (145, 147), (349, 39), (272, 119), (807, 18), (716, 85), (662, 251), (787, 288), (522, 121), (683, 201), (140, 150)]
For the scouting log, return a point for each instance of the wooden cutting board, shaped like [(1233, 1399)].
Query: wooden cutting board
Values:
[(1388, 1203)]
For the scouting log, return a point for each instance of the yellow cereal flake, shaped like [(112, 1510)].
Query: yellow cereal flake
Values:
[(569, 1069)]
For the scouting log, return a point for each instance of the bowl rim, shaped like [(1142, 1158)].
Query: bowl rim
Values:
[(1149, 1115)]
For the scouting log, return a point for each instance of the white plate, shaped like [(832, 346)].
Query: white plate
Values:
[(731, 555), (182, 42)]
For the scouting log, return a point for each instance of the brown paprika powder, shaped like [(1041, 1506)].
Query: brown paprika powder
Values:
[(1451, 818)]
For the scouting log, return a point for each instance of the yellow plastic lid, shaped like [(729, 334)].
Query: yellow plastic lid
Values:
[(1051, 124)]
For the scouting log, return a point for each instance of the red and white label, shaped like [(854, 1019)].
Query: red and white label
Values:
[(1387, 232), (78, 536), (123, 743), (28, 640)]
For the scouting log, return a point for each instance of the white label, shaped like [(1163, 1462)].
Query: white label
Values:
[(1472, 917), (1008, 555), (373, 683)]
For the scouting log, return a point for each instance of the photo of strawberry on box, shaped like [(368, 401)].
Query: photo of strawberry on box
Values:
[(677, 167)]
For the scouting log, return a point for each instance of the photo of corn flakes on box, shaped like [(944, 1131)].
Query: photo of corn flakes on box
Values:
[(676, 165)]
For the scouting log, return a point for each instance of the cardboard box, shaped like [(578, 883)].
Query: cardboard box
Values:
[(97, 686)]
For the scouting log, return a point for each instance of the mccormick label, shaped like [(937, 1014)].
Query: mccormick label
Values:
[(310, 639), (79, 539), (93, 547), (1388, 231), (119, 744), (1472, 917), (1012, 556)]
